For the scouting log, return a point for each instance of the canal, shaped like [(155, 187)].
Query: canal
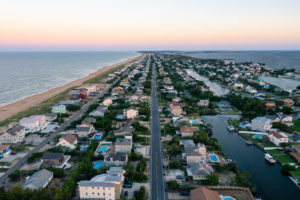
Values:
[(271, 184)]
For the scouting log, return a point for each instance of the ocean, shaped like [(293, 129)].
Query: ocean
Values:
[(272, 59), (25, 74)]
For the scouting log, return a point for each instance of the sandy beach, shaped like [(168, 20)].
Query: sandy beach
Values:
[(12, 109)]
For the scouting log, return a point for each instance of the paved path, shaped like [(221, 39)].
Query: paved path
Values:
[(157, 178)]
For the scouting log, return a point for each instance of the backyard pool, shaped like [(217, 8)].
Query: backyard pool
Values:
[(84, 148), (213, 158), (103, 149), (257, 136), (228, 198), (98, 136), (98, 164)]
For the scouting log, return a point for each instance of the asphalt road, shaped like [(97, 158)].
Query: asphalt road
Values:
[(74, 117), (156, 176)]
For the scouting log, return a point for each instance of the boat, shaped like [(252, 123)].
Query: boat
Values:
[(231, 128), (248, 142), (269, 158)]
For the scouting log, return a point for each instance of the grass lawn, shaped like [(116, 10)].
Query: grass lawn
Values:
[(280, 156), (296, 173), (235, 123), (297, 125)]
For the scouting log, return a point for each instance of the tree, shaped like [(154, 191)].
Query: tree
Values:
[(212, 179), (72, 107), (141, 194), (173, 185)]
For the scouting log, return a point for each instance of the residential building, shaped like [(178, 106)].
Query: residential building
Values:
[(107, 102), (69, 141), (277, 137), (198, 171), (289, 102), (175, 110), (123, 145), (83, 130), (53, 159), (187, 131), (39, 180), (261, 124), (13, 135), (130, 113), (116, 159), (33, 123), (194, 153), (203, 103)]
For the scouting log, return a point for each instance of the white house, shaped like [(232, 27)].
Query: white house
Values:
[(13, 135), (261, 124), (277, 138), (83, 130), (34, 123), (39, 180), (107, 102), (69, 141)]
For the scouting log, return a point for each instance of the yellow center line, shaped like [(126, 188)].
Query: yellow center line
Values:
[(156, 176)]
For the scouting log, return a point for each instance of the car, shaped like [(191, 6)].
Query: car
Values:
[(179, 177), (135, 193), (126, 193), (185, 193)]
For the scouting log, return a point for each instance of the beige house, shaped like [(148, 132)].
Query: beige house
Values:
[(194, 153), (13, 135), (187, 131), (107, 102), (131, 113), (69, 141), (176, 111)]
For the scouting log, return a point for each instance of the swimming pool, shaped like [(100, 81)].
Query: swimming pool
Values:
[(213, 158), (103, 149), (257, 136), (97, 136), (228, 198), (98, 164), (84, 148)]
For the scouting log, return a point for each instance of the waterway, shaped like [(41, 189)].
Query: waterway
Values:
[(271, 184), (214, 87), (283, 83)]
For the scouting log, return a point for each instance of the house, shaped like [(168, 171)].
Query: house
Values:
[(289, 102), (104, 186), (187, 143), (52, 159), (187, 131), (176, 111), (39, 180), (13, 135), (261, 124), (34, 123), (107, 102), (130, 113), (50, 117), (296, 156), (203, 103), (116, 159), (124, 130), (118, 90), (199, 170), (296, 148), (83, 130), (59, 109), (99, 112), (194, 153), (116, 171), (270, 104), (69, 141), (277, 138), (204, 194), (123, 145), (89, 120), (4, 150)]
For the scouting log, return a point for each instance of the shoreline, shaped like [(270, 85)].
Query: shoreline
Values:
[(9, 110)]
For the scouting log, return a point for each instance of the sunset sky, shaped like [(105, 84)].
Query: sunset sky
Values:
[(149, 24)]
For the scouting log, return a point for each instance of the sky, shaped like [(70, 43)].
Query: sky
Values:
[(149, 25)]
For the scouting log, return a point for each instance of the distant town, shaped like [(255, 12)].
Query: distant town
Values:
[(140, 132)]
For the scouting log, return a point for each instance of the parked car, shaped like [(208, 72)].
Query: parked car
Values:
[(126, 193)]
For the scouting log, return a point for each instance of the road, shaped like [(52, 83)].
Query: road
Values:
[(156, 176), (74, 117)]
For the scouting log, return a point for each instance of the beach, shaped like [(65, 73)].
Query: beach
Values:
[(14, 108)]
